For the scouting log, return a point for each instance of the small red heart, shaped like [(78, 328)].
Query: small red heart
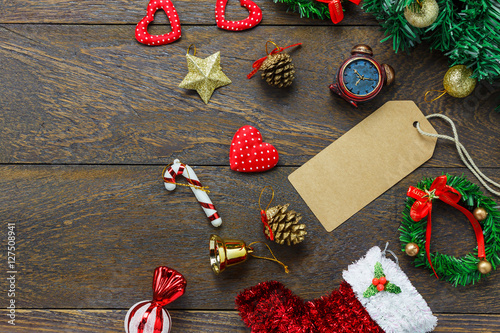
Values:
[(141, 30), (254, 16), (249, 154)]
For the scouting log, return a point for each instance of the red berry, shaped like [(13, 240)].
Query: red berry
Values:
[(380, 287), (383, 280), (375, 282)]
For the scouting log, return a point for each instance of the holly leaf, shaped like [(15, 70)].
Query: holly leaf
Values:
[(379, 271), (392, 288), (372, 290)]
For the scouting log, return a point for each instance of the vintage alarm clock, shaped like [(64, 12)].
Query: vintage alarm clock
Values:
[(360, 77)]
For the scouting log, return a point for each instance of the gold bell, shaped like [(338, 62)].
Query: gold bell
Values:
[(227, 252)]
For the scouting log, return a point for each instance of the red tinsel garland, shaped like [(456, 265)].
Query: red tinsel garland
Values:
[(270, 307)]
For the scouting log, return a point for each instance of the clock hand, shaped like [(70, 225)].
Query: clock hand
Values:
[(357, 82), (359, 75)]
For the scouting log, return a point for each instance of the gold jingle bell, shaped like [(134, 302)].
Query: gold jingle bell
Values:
[(412, 249), (484, 266), (227, 252)]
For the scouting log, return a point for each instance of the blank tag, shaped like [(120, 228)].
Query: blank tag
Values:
[(364, 162)]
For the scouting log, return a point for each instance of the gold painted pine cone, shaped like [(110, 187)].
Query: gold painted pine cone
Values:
[(278, 70), (285, 225)]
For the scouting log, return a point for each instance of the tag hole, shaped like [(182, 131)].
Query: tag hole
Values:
[(415, 124)]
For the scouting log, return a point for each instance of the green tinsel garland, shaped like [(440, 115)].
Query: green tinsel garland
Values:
[(467, 31), (462, 270)]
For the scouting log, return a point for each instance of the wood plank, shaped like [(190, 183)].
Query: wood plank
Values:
[(92, 94), (130, 12), (91, 236), (112, 321), (48, 321)]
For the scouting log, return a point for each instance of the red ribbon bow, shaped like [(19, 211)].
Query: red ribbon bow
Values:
[(335, 9), (258, 63), (422, 207), (263, 217)]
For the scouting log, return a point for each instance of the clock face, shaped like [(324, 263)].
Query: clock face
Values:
[(361, 77)]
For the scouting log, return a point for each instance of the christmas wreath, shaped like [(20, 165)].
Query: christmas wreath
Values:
[(465, 30), (485, 218)]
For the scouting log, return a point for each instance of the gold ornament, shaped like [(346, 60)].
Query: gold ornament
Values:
[(484, 266), (412, 249), (285, 225), (458, 82), (278, 70), (229, 252), (280, 225), (480, 213), (205, 75), (422, 13)]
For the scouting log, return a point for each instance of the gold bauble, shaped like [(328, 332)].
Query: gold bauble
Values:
[(422, 15), (458, 82), (480, 213), (484, 266), (412, 249)]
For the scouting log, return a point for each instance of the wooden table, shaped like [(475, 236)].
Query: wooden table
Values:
[(90, 117)]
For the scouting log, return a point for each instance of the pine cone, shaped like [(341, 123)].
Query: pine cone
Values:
[(278, 70), (285, 225)]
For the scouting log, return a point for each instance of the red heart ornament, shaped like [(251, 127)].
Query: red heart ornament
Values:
[(249, 154), (141, 30), (254, 16)]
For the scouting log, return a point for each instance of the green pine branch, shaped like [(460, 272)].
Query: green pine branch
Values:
[(307, 8), (467, 31)]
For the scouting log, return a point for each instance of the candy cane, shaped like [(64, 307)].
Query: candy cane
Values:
[(178, 168)]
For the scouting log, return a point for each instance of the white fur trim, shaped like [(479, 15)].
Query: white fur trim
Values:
[(406, 312)]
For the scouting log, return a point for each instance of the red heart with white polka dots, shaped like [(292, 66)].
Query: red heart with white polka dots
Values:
[(141, 30), (254, 16), (249, 154)]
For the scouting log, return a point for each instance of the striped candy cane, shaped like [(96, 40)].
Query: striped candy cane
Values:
[(178, 168)]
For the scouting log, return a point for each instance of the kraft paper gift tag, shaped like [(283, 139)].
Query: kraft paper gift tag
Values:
[(364, 162)]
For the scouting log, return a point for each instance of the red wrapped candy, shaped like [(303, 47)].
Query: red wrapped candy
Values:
[(149, 316)]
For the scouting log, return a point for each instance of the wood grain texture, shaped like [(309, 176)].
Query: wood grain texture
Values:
[(91, 94), (183, 321), (56, 321), (131, 12), (89, 117), (89, 237)]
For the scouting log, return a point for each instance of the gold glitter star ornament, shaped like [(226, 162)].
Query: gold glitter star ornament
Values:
[(205, 75)]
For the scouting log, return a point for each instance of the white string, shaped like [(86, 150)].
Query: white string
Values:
[(393, 254), (464, 155)]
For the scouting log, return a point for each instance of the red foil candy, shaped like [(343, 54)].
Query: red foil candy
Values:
[(270, 307), (149, 316)]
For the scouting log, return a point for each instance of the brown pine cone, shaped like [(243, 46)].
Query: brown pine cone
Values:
[(278, 70), (285, 225)]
